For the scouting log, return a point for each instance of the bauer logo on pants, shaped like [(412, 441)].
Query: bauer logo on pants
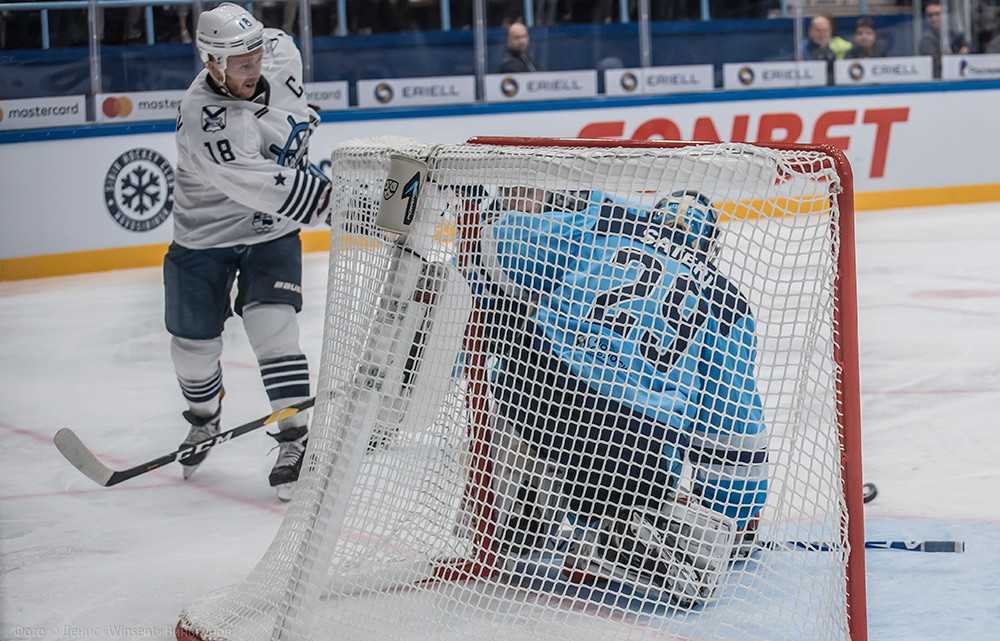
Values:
[(139, 189)]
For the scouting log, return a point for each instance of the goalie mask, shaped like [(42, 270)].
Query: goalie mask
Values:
[(227, 30), (691, 212)]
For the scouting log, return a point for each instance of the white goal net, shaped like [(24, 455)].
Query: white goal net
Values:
[(575, 390)]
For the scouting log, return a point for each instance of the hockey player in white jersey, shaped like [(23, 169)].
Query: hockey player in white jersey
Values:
[(244, 188)]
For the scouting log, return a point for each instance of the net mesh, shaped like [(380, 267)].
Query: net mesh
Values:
[(512, 398)]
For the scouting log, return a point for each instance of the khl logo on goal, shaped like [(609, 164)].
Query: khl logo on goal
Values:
[(139, 189)]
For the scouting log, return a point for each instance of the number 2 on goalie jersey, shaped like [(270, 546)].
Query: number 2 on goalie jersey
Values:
[(625, 309)]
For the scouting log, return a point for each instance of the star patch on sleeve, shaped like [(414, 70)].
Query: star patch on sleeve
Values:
[(279, 179)]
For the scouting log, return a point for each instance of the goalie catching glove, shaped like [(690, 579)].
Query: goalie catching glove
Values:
[(677, 553)]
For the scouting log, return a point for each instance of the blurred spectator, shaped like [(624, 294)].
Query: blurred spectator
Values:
[(183, 11), (171, 23), (511, 11), (545, 12), (68, 28), (722, 9), (377, 16), (667, 10), (986, 24), (20, 29), (517, 60), (822, 44), (289, 13), (121, 26), (930, 40), (865, 43), (322, 14)]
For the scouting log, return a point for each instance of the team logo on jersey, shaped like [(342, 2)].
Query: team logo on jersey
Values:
[(213, 118), (262, 223), (296, 145), (390, 188), (139, 189)]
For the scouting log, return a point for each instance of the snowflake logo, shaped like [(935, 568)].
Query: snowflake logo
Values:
[(138, 190)]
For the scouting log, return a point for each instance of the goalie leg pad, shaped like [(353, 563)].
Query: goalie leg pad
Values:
[(415, 344), (678, 552), (531, 500)]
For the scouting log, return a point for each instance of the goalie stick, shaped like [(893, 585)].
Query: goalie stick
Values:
[(911, 546), (70, 445)]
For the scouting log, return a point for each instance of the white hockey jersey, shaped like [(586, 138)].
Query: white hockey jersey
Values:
[(243, 172)]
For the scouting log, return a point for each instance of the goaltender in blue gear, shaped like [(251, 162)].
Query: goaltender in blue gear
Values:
[(623, 351), (245, 188)]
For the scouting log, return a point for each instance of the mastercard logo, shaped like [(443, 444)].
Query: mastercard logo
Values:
[(117, 107)]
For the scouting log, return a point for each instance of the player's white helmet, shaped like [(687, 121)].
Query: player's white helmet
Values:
[(692, 212), (228, 30)]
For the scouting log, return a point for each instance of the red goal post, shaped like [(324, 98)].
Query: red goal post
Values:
[(393, 532)]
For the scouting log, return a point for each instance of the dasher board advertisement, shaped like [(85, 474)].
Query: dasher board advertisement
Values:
[(36, 113), (542, 85), (983, 66), (659, 80), (414, 92), (882, 71), (773, 75)]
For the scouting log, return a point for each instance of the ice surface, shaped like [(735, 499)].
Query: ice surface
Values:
[(78, 561)]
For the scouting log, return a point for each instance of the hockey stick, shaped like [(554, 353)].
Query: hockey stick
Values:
[(911, 546), (84, 460)]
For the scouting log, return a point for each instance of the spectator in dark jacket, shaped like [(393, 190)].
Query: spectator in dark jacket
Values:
[(930, 41), (517, 59), (865, 45)]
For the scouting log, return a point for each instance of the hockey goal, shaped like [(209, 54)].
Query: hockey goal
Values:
[(435, 503)]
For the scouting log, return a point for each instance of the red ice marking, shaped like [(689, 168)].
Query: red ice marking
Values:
[(958, 293), (92, 491), (173, 481), (40, 438)]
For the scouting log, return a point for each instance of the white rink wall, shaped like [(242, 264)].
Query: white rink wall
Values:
[(69, 201)]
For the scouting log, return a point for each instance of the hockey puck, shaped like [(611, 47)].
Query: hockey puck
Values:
[(869, 492)]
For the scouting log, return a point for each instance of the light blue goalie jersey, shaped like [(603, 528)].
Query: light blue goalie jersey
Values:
[(650, 347)]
